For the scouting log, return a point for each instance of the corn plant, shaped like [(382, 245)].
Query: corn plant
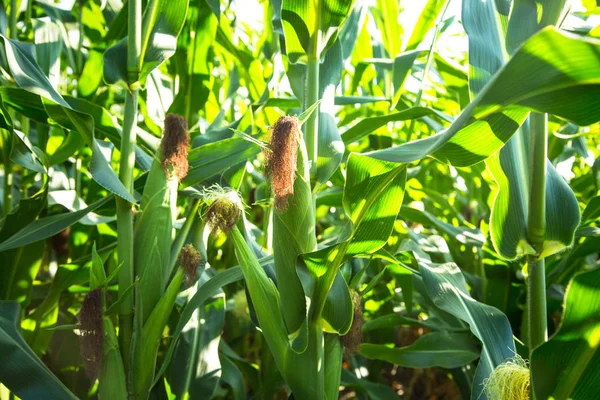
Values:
[(308, 199)]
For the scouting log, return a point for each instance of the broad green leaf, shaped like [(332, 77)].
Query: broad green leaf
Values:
[(367, 125), (330, 148), (508, 223), (537, 77), (90, 79), (212, 159), (426, 21), (591, 212), (403, 63), (45, 227), (17, 271), (195, 367), (311, 23), (26, 155), (162, 21), (265, 299), (568, 365), (194, 45), (375, 391), (22, 371), (146, 344), (385, 14), (462, 234), (69, 200), (205, 291), (372, 198), (436, 349), (446, 287), (48, 46), (105, 125), (30, 77), (511, 166)]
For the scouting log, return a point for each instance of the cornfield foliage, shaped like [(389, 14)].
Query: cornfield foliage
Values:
[(308, 199)]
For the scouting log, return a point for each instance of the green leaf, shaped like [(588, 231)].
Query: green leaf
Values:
[(375, 391), (436, 349), (538, 78), (446, 287), (196, 366), (22, 372), (97, 273), (265, 299), (146, 344), (511, 166), (508, 222), (462, 234), (111, 381), (425, 22), (162, 22), (43, 228), (568, 365), (204, 292), (372, 197), (30, 77), (213, 159), (17, 270), (367, 125), (591, 212), (305, 22)]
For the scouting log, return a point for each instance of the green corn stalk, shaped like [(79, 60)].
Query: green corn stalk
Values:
[(536, 233), (127, 163)]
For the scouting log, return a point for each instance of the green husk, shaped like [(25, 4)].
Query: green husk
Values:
[(154, 228)]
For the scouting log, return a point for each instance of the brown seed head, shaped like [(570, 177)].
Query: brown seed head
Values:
[(353, 339), (91, 332), (282, 158), (225, 210), (174, 145), (189, 259)]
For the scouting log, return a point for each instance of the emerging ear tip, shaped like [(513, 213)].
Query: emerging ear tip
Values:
[(190, 259), (175, 144), (176, 121)]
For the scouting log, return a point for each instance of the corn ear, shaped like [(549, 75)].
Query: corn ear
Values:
[(154, 229), (294, 234)]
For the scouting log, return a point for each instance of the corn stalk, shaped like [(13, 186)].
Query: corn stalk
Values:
[(127, 162)]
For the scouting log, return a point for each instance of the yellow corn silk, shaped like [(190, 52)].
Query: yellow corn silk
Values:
[(509, 381)]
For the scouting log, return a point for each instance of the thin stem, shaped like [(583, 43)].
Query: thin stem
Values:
[(80, 43), (134, 41), (13, 19), (127, 163), (536, 227), (8, 176), (427, 66), (125, 228), (28, 13), (536, 231), (312, 96), (536, 302)]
